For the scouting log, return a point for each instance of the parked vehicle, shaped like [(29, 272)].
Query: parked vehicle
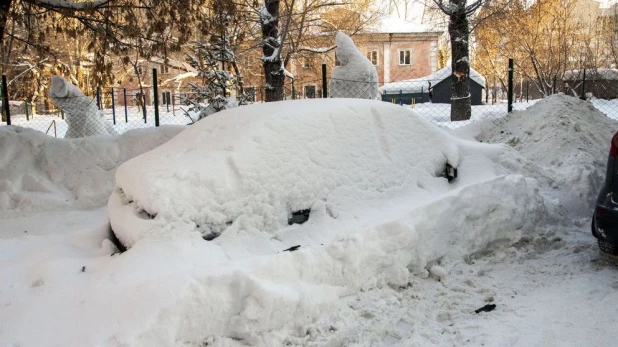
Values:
[(605, 218)]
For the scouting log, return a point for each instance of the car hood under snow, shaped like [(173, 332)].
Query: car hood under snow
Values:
[(251, 167)]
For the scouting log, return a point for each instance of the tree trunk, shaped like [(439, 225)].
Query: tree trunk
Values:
[(5, 6), (273, 68), (460, 64)]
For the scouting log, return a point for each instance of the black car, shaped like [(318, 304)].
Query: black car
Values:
[(605, 217)]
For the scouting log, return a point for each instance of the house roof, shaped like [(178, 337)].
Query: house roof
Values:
[(592, 74), (395, 25), (419, 85), (174, 63)]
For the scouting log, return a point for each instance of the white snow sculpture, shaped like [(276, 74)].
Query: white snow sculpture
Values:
[(356, 77), (81, 112)]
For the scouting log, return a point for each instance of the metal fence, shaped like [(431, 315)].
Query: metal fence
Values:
[(123, 109)]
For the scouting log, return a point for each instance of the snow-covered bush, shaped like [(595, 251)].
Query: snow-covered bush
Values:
[(81, 112), (215, 60), (355, 77)]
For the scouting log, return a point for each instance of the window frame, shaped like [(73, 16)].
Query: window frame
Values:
[(254, 96), (399, 52), (377, 56), (315, 91), (166, 97)]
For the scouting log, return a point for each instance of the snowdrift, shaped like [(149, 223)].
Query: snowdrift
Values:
[(39, 172), (568, 139), (370, 172)]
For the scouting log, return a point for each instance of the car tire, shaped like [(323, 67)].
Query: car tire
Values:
[(608, 248), (593, 228)]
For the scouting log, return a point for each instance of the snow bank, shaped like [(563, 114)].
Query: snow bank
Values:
[(355, 77), (255, 166), (81, 112), (568, 138), (39, 172), (368, 170)]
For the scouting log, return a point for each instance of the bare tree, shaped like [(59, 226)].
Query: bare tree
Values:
[(114, 27), (458, 12)]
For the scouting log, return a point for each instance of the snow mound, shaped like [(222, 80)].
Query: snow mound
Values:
[(82, 114), (370, 173), (566, 136), (39, 172), (257, 165), (355, 77)]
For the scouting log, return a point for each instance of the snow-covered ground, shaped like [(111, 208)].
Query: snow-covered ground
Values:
[(399, 266)]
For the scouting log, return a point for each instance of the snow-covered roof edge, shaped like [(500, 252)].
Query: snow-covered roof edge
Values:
[(591, 73), (395, 25), (417, 85)]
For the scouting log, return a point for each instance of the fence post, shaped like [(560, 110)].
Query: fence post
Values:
[(293, 91), (527, 90), (554, 85), (143, 97), (126, 115), (583, 96), (324, 86), (26, 109), (99, 97), (510, 90), (155, 89), (400, 97), (113, 107), (5, 100)]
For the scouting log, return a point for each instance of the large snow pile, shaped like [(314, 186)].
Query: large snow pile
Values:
[(81, 112), (39, 172), (252, 168), (420, 85), (355, 77), (348, 283), (567, 137)]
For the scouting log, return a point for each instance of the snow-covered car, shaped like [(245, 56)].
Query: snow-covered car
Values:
[(263, 167), (605, 216)]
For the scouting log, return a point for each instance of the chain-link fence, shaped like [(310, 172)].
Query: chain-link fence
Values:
[(124, 108)]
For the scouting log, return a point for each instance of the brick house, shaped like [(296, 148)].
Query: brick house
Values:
[(172, 76), (399, 51)]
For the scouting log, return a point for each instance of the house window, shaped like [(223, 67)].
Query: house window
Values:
[(250, 93), (307, 64), (165, 68), (166, 98), (373, 57), (309, 91), (405, 57)]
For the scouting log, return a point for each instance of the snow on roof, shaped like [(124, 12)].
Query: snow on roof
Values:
[(597, 74), (418, 85), (394, 25)]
